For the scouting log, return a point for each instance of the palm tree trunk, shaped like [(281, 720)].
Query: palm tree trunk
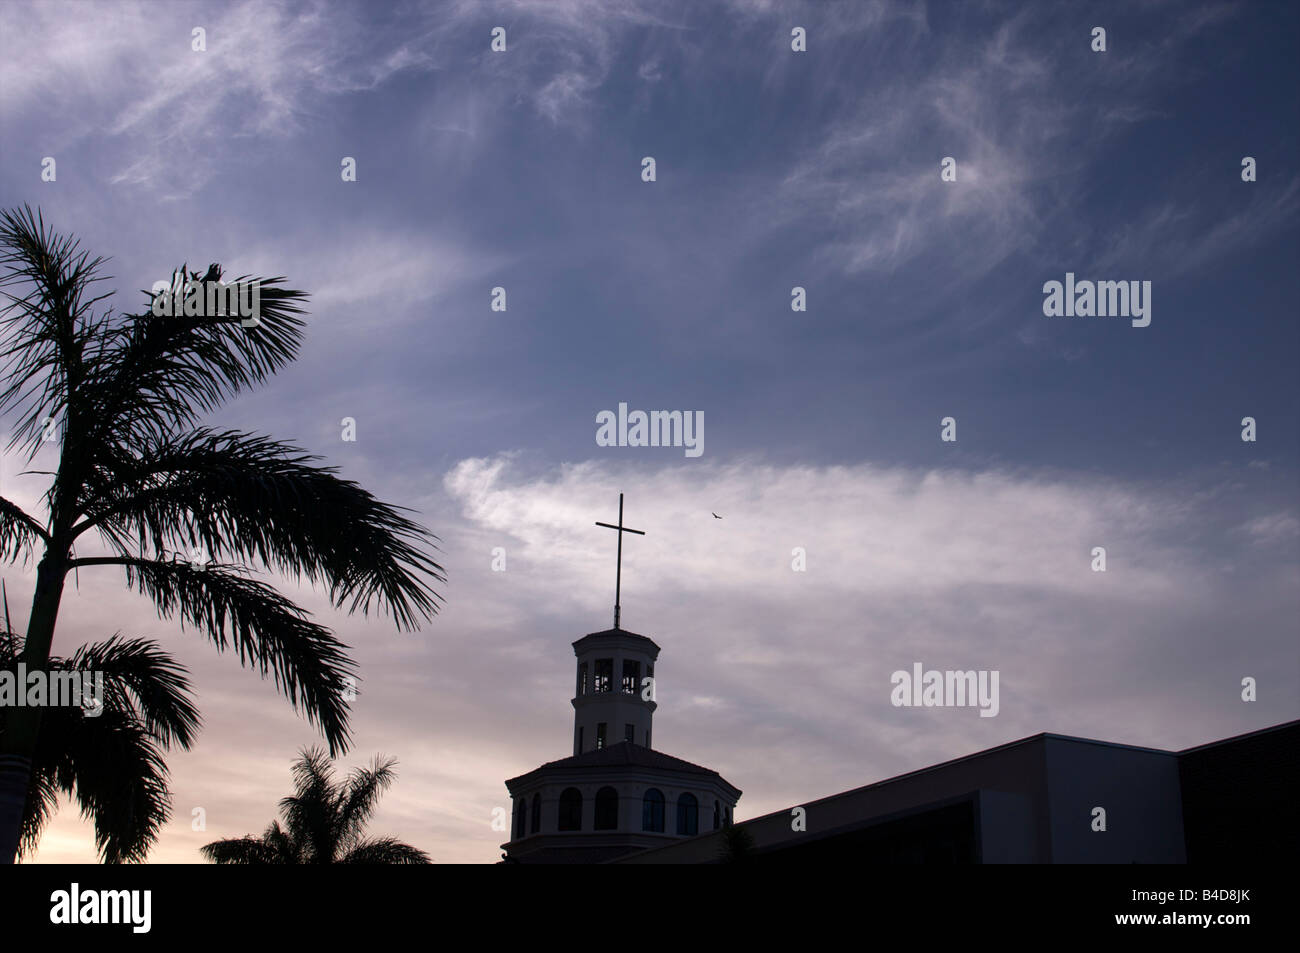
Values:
[(15, 776), (24, 723)]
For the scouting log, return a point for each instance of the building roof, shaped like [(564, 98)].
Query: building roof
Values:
[(625, 754), (619, 633)]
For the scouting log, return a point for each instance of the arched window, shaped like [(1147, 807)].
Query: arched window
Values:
[(717, 815), (606, 809), (537, 813), (519, 818), (688, 815), (652, 811), (571, 810)]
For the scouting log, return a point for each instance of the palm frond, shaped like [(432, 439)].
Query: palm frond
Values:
[(42, 805), (385, 850), (139, 676), (19, 533), (281, 846), (361, 796), (110, 763), (117, 772), (240, 850), (49, 324), (245, 497), (161, 373), (311, 814), (269, 633)]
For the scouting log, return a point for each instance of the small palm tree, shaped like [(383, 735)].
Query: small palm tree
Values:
[(124, 395), (323, 823), (737, 846), (110, 758)]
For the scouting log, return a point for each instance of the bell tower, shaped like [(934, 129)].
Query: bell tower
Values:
[(615, 699)]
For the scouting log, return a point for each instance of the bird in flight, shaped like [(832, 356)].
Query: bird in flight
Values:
[(715, 515)]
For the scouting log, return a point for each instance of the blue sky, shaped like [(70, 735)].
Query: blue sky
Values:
[(775, 169)]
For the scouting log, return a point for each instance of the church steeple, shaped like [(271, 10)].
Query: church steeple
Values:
[(614, 795), (615, 698)]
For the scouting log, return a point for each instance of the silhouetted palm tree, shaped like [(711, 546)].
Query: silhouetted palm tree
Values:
[(110, 758), (323, 823), (737, 846), (134, 467)]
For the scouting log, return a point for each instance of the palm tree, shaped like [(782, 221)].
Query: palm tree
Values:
[(737, 846), (323, 823), (135, 467), (109, 759)]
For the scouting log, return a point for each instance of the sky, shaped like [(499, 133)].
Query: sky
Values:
[(774, 169)]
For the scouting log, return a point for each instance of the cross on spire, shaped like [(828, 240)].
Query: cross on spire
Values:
[(618, 577)]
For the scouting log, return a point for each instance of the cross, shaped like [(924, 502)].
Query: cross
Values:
[(618, 578)]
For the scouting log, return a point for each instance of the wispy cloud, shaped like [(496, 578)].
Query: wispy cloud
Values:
[(1005, 109), (170, 110), (1178, 237)]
